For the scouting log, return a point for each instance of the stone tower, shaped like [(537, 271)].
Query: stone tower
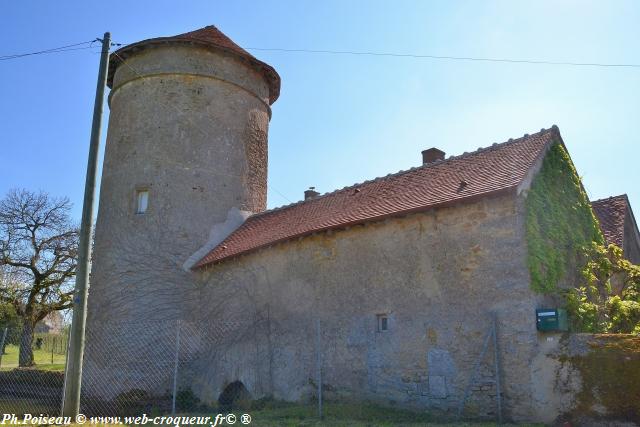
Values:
[(186, 143), (188, 125)]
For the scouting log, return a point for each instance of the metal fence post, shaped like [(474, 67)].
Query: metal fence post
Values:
[(319, 367), (175, 368), (496, 363)]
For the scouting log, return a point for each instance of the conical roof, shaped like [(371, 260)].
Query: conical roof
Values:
[(209, 37)]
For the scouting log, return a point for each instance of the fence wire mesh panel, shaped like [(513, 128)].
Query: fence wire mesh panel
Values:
[(31, 370), (253, 364), (130, 369)]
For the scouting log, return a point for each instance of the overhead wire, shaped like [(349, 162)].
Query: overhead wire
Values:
[(439, 57), (362, 53), (444, 57), (66, 48), (80, 46)]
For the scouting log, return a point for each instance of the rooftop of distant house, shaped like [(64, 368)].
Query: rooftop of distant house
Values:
[(611, 213)]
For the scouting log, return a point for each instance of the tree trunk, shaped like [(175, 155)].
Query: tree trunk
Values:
[(26, 342)]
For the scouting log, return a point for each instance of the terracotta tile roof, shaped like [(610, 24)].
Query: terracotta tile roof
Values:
[(498, 168), (209, 37), (611, 213)]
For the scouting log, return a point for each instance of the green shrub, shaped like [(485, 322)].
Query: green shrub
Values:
[(624, 315), (186, 400)]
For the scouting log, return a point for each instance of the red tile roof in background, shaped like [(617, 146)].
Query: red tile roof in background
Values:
[(611, 213), (498, 168), (210, 37)]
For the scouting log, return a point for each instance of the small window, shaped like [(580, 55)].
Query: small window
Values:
[(142, 201), (383, 322)]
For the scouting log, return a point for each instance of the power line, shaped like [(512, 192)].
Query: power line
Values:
[(66, 48), (280, 194), (453, 58), (363, 53), (440, 57)]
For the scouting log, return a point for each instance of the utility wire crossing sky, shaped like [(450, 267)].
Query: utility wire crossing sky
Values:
[(347, 52), (366, 84)]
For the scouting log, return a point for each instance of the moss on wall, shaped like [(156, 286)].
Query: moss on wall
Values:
[(610, 374), (560, 223)]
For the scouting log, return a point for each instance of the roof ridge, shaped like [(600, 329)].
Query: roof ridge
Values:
[(492, 147), (428, 186), (606, 199)]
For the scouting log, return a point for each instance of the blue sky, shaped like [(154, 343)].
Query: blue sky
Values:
[(343, 119)]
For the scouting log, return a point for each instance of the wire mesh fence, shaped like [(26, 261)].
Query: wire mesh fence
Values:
[(129, 369), (31, 371), (144, 367), (156, 367)]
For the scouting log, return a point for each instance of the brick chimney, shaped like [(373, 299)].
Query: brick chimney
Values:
[(431, 155), (310, 193)]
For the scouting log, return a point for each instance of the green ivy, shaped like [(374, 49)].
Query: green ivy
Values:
[(565, 243), (593, 306), (560, 223)]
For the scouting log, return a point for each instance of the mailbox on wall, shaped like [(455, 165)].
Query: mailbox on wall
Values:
[(551, 319)]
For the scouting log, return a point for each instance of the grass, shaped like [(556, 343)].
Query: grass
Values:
[(279, 414), (358, 415), (30, 406), (41, 357), (335, 415)]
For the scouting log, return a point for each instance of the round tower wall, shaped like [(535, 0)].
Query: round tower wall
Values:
[(189, 126)]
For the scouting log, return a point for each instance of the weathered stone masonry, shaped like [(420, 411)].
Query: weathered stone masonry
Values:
[(437, 276)]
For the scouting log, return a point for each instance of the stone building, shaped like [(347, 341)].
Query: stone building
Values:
[(387, 287)]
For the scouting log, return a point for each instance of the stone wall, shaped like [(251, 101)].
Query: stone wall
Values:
[(437, 276), (588, 379)]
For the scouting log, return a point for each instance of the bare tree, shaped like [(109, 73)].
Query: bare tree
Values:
[(38, 246)]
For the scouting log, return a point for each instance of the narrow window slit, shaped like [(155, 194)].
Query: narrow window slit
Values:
[(142, 201)]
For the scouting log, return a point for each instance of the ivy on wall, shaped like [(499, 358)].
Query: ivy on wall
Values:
[(596, 307), (560, 223), (567, 254)]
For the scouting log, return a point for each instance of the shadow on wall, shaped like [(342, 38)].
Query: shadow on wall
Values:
[(234, 396)]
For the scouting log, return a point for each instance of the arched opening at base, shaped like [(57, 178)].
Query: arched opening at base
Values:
[(234, 395)]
